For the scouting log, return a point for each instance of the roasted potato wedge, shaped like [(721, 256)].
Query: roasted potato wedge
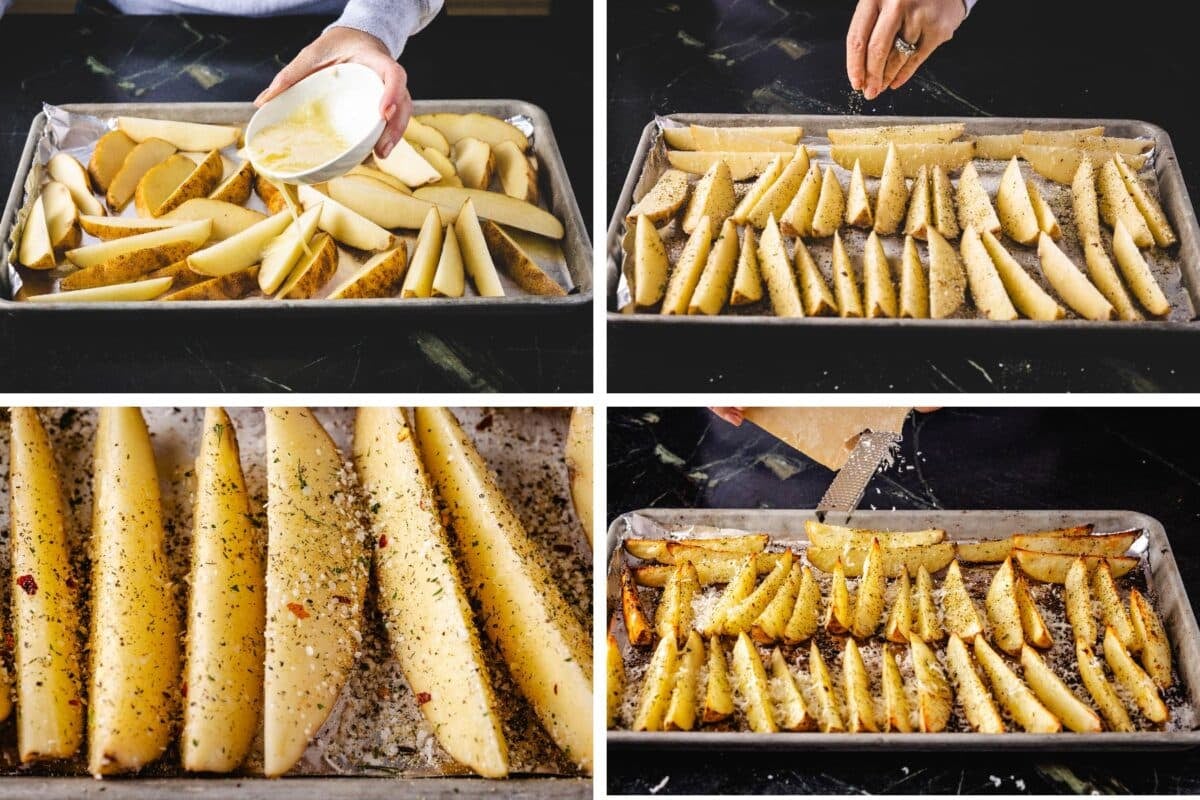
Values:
[(860, 701), (958, 609), (1077, 598), (739, 618), (978, 705), (805, 616), (896, 714), (1054, 694), (773, 620), (900, 618), (1034, 626), (657, 687), (1052, 567), (791, 711), (933, 557), (1105, 696), (1133, 679), (1003, 612), (681, 709), (1113, 614), (739, 587), (1152, 639), (718, 695), (637, 625), (828, 709), (1016, 697), (869, 599), (839, 616), (753, 686), (933, 690), (616, 680)]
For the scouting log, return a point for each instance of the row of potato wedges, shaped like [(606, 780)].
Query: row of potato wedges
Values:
[(274, 622)]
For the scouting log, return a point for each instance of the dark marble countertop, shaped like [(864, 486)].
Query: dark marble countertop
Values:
[(1020, 58), (1068, 458), (64, 59)]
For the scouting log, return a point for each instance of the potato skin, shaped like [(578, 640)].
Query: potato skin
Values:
[(382, 280), (316, 272), (519, 266), (236, 189), (128, 266), (234, 286)]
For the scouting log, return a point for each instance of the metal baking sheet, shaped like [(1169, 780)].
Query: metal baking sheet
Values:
[(568, 261), (1177, 270), (375, 729), (1158, 571)]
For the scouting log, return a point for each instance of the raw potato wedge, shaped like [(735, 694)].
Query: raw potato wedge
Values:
[(1059, 164), (1077, 598), (712, 291), (900, 134), (1103, 694), (474, 162), (927, 626), (110, 153), (637, 626), (822, 534), (1152, 640), (236, 187), (1071, 284), (62, 217), (770, 624), (681, 710), (492, 130), (958, 609), (805, 617), (747, 280), (183, 135), (650, 264), (920, 206), (1028, 297), (741, 213), (1104, 277), (718, 695), (285, 251), (1156, 218), (183, 275), (657, 687), (828, 709), (476, 258), (740, 617), (840, 614), (1052, 567), (947, 280), (998, 146), (896, 714), (914, 288), (518, 177), (1032, 623), (421, 134), (162, 189), (450, 278), (934, 697), (686, 272), (712, 198), (45, 606), (227, 219), (1113, 614), (364, 171), (1061, 138), (1133, 679), (36, 250), (344, 224), (1047, 222), (545, 645), (419, 280), (1084, 203), (1017, 217), (987, 287), (517, 264), (407, 165), (240, 251), (893, 195), (1004, 616), (664, 199), (131, 256), (868, 601), (912, 155), (858, 202), (69, 172), (830, 208), (791, 710), (381, 276), (616, 681), (798, 217), (124, 184), (1137, 272), (942, 198), (233, 286), (384, 205), (494, 206), (776, 199), (430, 625), (312, 271), (1055, 696), (860, 703), (777, 273), (742, 166), (317, 565), (977, 702), (895, 559), (1016, 697), (1117, 204), (223, 668), (753, 686), (815, 295), (134, 670), (900, 618), (974, 207), (749, 138), (113, 293), (845, 283), (109, 228)]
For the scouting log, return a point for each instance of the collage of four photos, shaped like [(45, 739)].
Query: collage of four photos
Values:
[(549, 399)]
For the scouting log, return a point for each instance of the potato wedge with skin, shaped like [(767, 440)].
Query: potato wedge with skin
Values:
[(1003, 614), (941, 132), (707, 572), (920, 207), (1085, 204), (892, 199), (1113, 614), (233, 286), (798, 217), (1052, 567), (485, 127), (680, 551), (344, 224), (828, 709), (791, 711), (753, 686), (1152, 639), (637, 626), (664, 199), (518, 177), (495, 206), (1026, 295), (421, 134), (900, 617), (407, 165), (747, 278), (36, 251), (945, 219), (124, 184), (1133, 679), (1137, 273), (109, 228), (742, 166), (933, 557), (1104, 277), (69, 172), (1055, 696), (989, 551), (1017, 217), (577, 457), (240, 251), (134, 670), (650, 264), (718, 695), (674, 614), (62, 217), (381, 276), (1116, 203), (1060, 138), (998, 147), (429, 621), (312, 271), (934, 697), (185, 278), (777, 273), (958, 609), (686, 272), (657, 686), (974, 207), (270, 194), (879, 292), (805, 617), (947, 280), (858, 202), (912, 155), (235, 188), (987, 288), (1016, 697), (845, 283), (659, 549), (46, 650), (285, 251), (739, 587), (776, 199), (1032, 623), (419, 280), (869, 599), (517, 264), (712, 290), (615, 682), (474, 162), (317, 565), (1077, 599), (223, 667), (365, 171), (385, 206), (839, 616), (110, 153), (713, 198), (831, 207), (1104, 544), (770, 624), (978, 705), (860, 702), (1060, 164), (546, 647), (159, 191), (740, 617), (132, 256), (1152, 212), (1072, 285), (815, 294), (113, 293), (926, 624), (748, 138), (227, 219), (741, 213), (914, 288), (681, 709), (1047, 222), (476, 258), (896, 714), (1103, 694)]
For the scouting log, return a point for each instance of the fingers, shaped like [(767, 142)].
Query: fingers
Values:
[(731, 414), (395, 105), (857, 37), (892, 68), (880, 46), (304, 64), (913, 63)]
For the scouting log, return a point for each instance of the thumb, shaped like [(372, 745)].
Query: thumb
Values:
[(300, 67)]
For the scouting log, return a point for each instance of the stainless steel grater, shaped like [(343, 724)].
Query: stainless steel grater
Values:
[(843, 495)]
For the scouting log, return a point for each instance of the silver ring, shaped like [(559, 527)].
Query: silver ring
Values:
[(903, 47)]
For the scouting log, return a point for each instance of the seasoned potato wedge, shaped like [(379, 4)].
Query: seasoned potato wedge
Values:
[(1052, 567), (839, 616), (941, 132), (945, 218), (805, 616), (860, 701), (712, 290), (974, 207), (892, 199), (713, 198), (1117, 204), (1103, 694), (674, 614), (914, 288), (912, 155), (933, 690), (1016, 697), (927, 626), (657, 549), (1034, 626), (616, 680), (1153, 213), (896, 714), (681, 710), (658, 684), (958, 609), (831, 206), (770, 624), (777, 273), (687, 270), (879, 291), (933, 557), (828, 708), (845, 281), (740, 617), (1152, 639), (1003, 614), (920, 206), (1059, 164), (718, 694), (947, 280), (1071, 284), (1017, 216), (738, 588), (1113, 614), (742, 166), (1133, 679), (1077, 599), (815, 294), (747, 279), (1054, 694), (664, 199), (978, 705), (791, 711), (797, 219), (900, 617), (741, 212), (1031, 300), (753, 686), (1107, 544), (778, 196), (1137, 272), (858, 202), (869, 599), (998, 147), (988, 290), (637, 625)]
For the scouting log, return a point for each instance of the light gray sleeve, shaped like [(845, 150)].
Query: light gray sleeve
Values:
[(4, 4), (970, 4), (389, 21)]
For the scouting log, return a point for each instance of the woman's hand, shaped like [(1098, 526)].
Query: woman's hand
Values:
[(348, 45), (873, 62), (732, 414)]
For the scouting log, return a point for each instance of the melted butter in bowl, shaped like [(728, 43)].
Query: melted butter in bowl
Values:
[(304, 140)]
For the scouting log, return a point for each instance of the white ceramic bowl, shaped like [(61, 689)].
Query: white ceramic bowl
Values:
[(351, 93)]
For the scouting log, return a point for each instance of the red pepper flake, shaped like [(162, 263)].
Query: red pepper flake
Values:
[(300, 611), (382, 540), (185, 688), (74, 701), (423, 698), (9, 641), (28, 584), (341, 598)]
